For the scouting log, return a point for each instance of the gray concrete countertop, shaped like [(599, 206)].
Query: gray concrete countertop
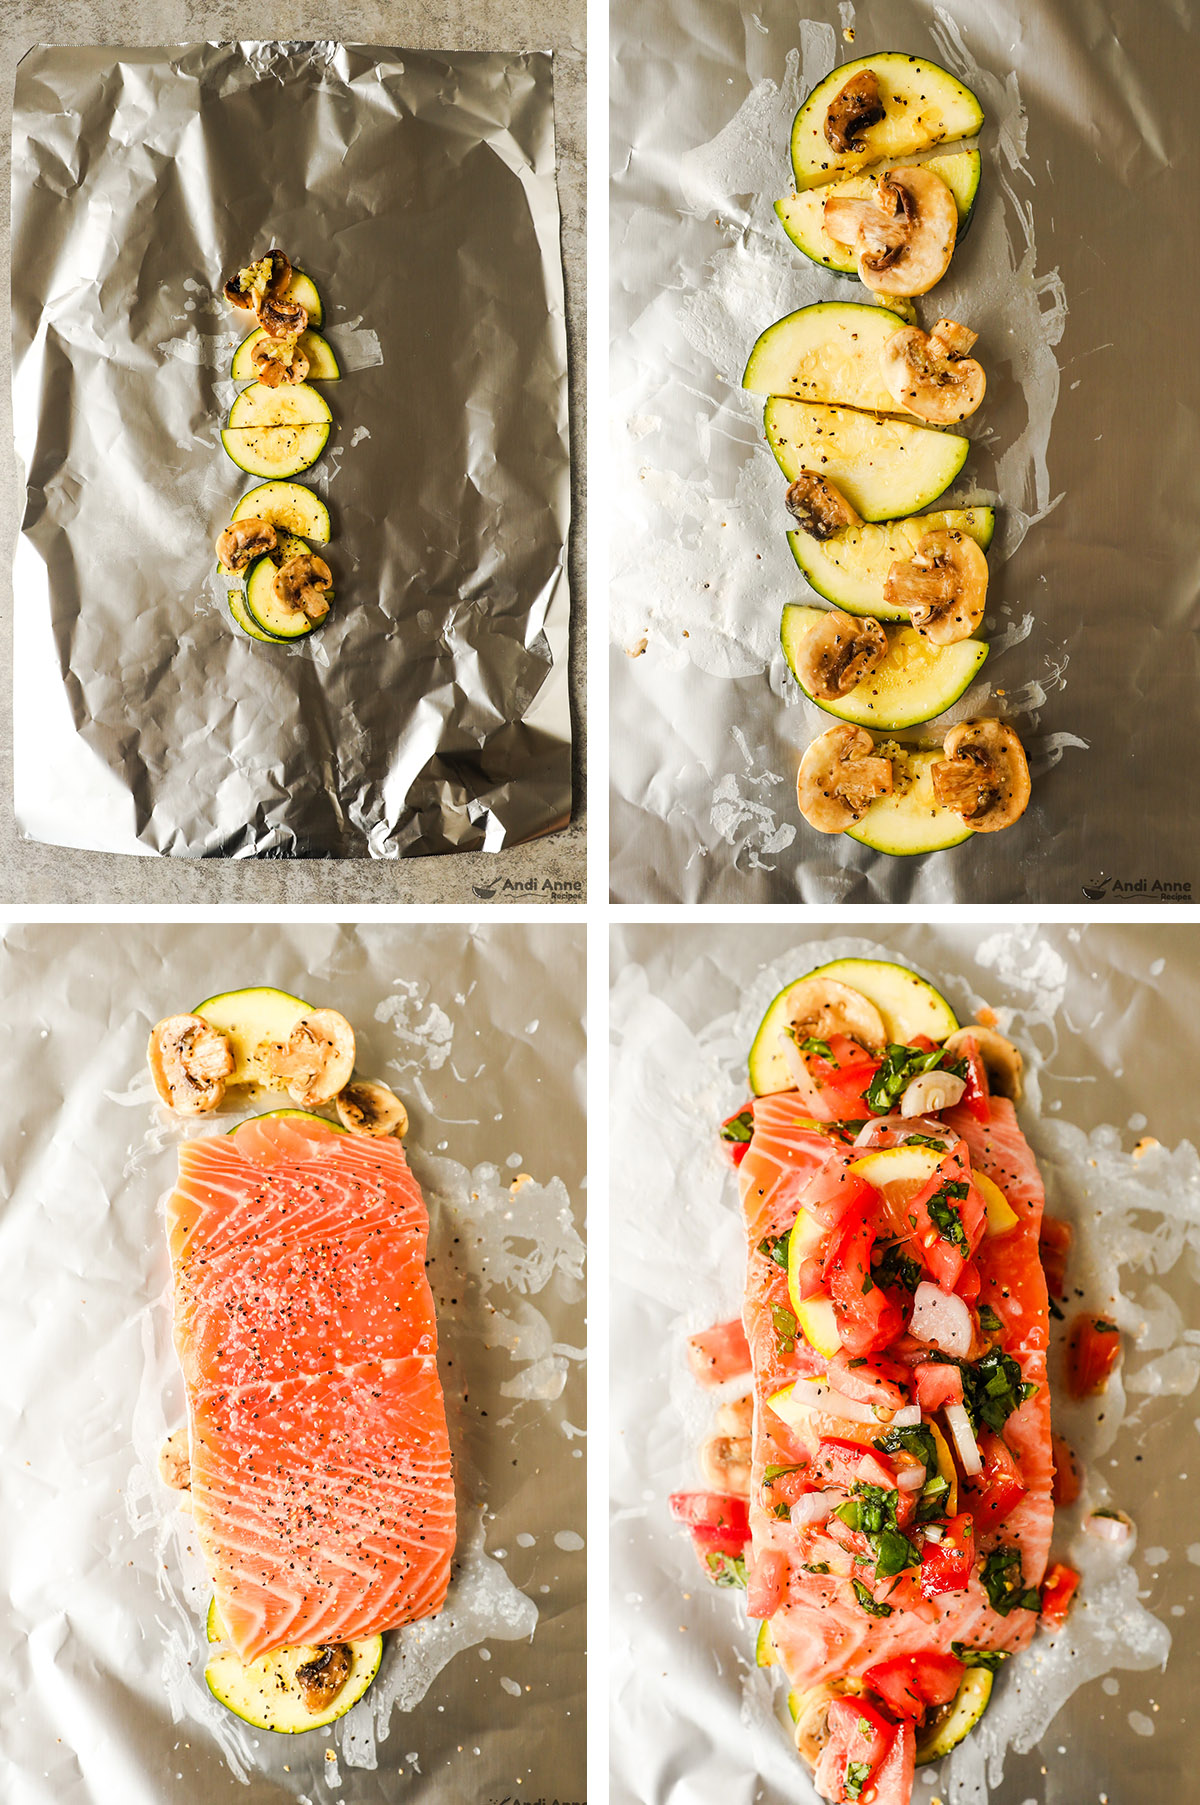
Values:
[(547, 870)]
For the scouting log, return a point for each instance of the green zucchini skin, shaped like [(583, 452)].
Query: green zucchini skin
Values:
[(884, 467)]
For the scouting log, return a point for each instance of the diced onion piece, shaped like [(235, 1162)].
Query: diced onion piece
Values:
[(908, 1418), (933, 1532), (959, 1425), (820, 1394), (815, 1507), (1114, 1529), (941, 1320), (897, 1128), (910, 1479)]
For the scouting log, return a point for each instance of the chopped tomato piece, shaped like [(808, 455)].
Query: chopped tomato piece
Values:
[(893, 1783), (938, 1385), (713, 1538), (946, 1565), (849, 1463), (766, 1581), (976, 1096), (867, 1318), (836, 1088), (833, 1192), (1058, 1589), (999, 1488), (1054, 1245), (719, 1353), (786, 1487), (810, 1276), (969, 1283), (946, 1220), (1067, 1481), (860, 1739), (1093, 1349), (712, 1510), (910, 1684)]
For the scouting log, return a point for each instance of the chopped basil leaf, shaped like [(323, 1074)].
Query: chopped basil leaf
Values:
[(871, 1511), (727, 1569), (842, 1131), (867, 1603), (931, 1504), (782, 1510), (989, 1320), (917, 1441), (1004, 1582), (740, 1127), (785, 1328), (894, 1553), (776, 1248), (925, 1140), (979, 1657), (993, 1388), (945, 1218), (857, 1772), (900, 1065), (895, 1267), (810, 1044), (814, 1567), (770, 1473)]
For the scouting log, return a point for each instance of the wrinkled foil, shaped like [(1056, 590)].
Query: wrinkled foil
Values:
[(101, 1625), (430, 713), (1084, 177), (1107, 1019)]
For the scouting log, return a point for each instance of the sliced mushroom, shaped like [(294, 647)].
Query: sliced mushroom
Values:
[(725, 1463), (318, 1059), (281, 319), (984, 775), (931, 1091), (810, 1731), (321, 1679), (735, 1417), (823, 1006), (930, 373), (175, 1461), (821, 509), (189, 1062), (301, 583), (278, 361), (943, 586), (856, 106), (905, 237), (838, 652), (372, 1109), (840, 776), (245, 540), (279, 272), (1001, 1060)]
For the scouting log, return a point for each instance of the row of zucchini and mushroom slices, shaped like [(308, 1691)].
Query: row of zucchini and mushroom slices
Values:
[(277, 428), (858, 402)]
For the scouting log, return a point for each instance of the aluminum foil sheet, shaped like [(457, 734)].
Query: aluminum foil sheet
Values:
[(1086, 448), (102, 1596), (1107, 1018), (430, 713)]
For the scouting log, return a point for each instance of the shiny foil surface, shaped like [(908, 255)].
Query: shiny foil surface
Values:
[(430, 713), (102, 1647), (1106, 1018), (1090, 147)]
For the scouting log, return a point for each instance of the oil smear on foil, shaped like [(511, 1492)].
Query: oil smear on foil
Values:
[(496, 1242), (710, 547), (1136, 1216)]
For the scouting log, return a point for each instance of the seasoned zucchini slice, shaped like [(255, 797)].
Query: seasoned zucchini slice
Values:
[(915, 682), (291, 1689), (802, 216), (253, 1021), (828, 352), (323, 366), (947, 1727), (911, 820), (851, 569), (883, 467), (277, 432), (244, 619), (906, 1003), (290, 508), (923, 105), (302, 288)]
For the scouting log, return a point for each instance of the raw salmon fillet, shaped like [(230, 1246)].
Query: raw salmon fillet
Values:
[(818, 1630), (304, 1324)]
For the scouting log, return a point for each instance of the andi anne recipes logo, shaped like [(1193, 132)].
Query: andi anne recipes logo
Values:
[(555, 889), (1157, 889)]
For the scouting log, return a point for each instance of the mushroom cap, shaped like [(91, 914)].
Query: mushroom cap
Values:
[(321, 1679), (837, 652), (238, 296), (930, 380), (245, 540), (840, 776), (300, 584), (943, 586), (906, 247), (857, 105), (1001, 1059), (189, 1061), (318, 1059), (819, 506), (371, 1109), (281, 319), (279, 272), (276, 361), (984, 775), (175, 1461), (819, 1007)]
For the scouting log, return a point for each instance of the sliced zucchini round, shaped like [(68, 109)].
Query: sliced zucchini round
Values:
[(911, 820), (827, 352), (278, 618), (277, 432), (915, 682), (947, 1727), (269, 1693), (908, 1004), (283, 409), (802, 216), (253, 1021), (924, 105), (290, 507), (302, 288), (309, 1115), (850, 570), (764, 1648), (323, 366), (244, 619), (883, 467)]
